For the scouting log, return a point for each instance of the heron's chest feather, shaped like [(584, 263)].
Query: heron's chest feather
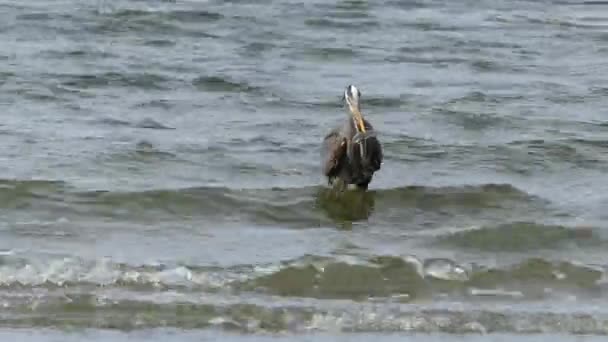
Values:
[(358, 160)]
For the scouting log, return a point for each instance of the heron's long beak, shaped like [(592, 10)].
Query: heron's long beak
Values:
[(353, 105)]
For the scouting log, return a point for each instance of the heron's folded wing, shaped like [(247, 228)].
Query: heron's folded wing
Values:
[(373, 147), (374, 150), (333, 150)]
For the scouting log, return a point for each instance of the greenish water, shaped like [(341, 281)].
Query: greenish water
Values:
[(160, 179)]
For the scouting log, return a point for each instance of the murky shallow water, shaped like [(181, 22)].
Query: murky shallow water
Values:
[(213, 335), (160, 168)]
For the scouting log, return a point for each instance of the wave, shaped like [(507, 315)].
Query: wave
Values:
[(82, 311), (412, 280), (307, 293), (17, 272), (405, 279), (305, 206)]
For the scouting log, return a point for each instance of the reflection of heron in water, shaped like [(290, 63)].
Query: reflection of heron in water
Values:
[(351, 153), (350, 207)]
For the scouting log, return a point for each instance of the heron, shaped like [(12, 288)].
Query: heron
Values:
[(351, 153)]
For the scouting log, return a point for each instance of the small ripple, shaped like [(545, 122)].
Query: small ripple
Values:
[(37, 93), (113, 79), (484, 44), (6, 75), (264, 143), (257, 48), (160, 43), (145, 148), (327, 23), (249, 2), (482, 196), (196, 16), (484, 65), (144, 24), (330, 53), (431, 26), (134, 157), (472, 120), (78, 54), (35, 16), (521, 236), (435, 59), (221, 84), (543, 152), (113, 122), (601, 143), (162, 104), (287, 102), (383, 102), (478, 111), (352, 5), (483, 97), (411, 4), (22, 193), (347, 9), (151, 124)]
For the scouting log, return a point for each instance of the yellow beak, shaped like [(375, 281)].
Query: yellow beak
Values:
[(354, 109), (359, 119)]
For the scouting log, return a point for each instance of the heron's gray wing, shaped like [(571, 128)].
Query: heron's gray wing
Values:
[(332, 152)]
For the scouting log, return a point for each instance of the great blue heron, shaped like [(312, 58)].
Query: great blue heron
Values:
[(351, 153)]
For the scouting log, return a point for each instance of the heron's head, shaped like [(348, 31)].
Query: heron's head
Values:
[(352, 96)]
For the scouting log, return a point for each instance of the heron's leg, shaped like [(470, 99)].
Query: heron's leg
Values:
[(336, 187), (340, 185), (363, 186)]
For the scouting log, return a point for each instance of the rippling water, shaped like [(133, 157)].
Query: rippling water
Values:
[(160, 171)]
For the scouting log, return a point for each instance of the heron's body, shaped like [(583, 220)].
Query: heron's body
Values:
[(350, 154)]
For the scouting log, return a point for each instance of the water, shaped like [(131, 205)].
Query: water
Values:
[(160, 173)]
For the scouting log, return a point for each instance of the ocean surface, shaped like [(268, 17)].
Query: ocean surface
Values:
[(160, 171)]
